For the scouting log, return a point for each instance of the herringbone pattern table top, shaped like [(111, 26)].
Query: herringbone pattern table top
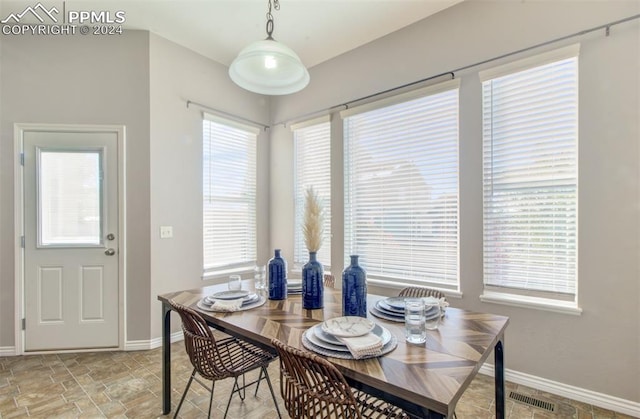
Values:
[(433, 375)]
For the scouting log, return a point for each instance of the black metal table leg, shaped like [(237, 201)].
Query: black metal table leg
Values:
[(166, 358), (499, 379)]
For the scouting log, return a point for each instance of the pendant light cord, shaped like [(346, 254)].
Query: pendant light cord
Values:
[(276, 5)]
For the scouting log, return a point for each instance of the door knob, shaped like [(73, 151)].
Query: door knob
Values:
[(109, 252)]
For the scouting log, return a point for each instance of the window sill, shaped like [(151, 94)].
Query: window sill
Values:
[(546, 304)]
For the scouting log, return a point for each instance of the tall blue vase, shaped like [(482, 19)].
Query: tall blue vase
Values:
[(312, 284), (354, 289), (277, 277)]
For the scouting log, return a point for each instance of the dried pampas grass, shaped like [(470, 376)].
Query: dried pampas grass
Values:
[(312, 227)]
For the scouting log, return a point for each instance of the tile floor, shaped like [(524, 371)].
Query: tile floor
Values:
[(128, 385)]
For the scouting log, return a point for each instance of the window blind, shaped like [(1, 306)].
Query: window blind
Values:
[(229, 195), (530, 135), (312, 145), (401, 189)]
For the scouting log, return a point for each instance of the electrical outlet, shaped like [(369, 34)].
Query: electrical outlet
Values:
[(166, 232)]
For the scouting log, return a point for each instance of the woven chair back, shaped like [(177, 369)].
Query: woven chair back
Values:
[(312, 387), (200, 345), (420, 292)]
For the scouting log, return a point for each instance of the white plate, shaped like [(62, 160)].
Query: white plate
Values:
[(229, 295), (384, 306), (395, 302), (306, 342), (319, 334), (348, 326), (399, 319), (250, 298), (376, 312), (203, 305), (323, 344), (390, 312)]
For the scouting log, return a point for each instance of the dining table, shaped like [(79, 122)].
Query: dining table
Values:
[(426, 380)]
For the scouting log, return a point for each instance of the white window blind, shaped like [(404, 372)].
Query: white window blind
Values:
[(229, 195), (312, 168), (530, 136), (401, 188)]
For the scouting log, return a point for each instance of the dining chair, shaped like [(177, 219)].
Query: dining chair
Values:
[(329, 280), (216, 360), (420, 292), (313, 388)]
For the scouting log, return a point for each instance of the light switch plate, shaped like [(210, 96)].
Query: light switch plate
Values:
[(166, 232)]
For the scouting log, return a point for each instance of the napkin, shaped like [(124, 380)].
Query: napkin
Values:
[(441, 301), (227, 305), (363, 346)]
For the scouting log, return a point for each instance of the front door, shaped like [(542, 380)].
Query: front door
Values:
[(71, 286)]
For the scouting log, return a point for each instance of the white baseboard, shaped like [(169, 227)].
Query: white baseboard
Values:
[(605, 401), (8, 351), (145, 345)]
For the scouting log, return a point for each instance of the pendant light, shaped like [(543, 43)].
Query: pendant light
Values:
[(269, 67)]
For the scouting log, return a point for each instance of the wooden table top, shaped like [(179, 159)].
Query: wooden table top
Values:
[(433, 375)]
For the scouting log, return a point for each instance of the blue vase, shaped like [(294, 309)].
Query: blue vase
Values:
[(312, 284), (277, 277), (354, 289)]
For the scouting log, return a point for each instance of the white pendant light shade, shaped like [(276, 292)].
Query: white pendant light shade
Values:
[(269, 68)]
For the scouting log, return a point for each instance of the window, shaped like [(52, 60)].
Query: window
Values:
[(401, 187), (229, 195), (70, 197), (530, 138), (312, 142)]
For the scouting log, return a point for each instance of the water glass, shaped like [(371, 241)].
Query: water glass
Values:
[(259, 276), (414, 320), (433, 314), (235, 283)]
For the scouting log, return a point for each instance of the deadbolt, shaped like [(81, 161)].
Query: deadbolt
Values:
[(109, 252), (110, 236)]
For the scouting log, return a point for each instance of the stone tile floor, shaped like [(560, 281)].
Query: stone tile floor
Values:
[(128, 385)]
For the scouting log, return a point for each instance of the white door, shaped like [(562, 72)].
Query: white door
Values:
[(71, 286)]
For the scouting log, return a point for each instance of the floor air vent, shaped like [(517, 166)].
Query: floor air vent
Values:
[(532, 401)]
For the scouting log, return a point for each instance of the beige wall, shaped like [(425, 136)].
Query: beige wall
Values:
[(79, 80), (142, 81), (177, 75), (599, 350)]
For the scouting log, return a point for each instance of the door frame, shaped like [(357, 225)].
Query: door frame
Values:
[(18, 214)]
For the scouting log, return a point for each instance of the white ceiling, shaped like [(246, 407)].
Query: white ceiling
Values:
[(316, 29)]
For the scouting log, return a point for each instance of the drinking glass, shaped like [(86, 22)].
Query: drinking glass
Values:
[(432, 314), (414, 320), (235, 283), (259, 275)]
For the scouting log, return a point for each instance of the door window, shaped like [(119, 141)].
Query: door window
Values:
[(69, 198)]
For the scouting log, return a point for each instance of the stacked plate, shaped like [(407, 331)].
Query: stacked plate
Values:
[(249, 299), (324, 338), (294, 286), (392, 309)]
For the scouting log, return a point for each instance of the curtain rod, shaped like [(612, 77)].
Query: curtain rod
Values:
[(348, 104), (228, 115), (606, 27)]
